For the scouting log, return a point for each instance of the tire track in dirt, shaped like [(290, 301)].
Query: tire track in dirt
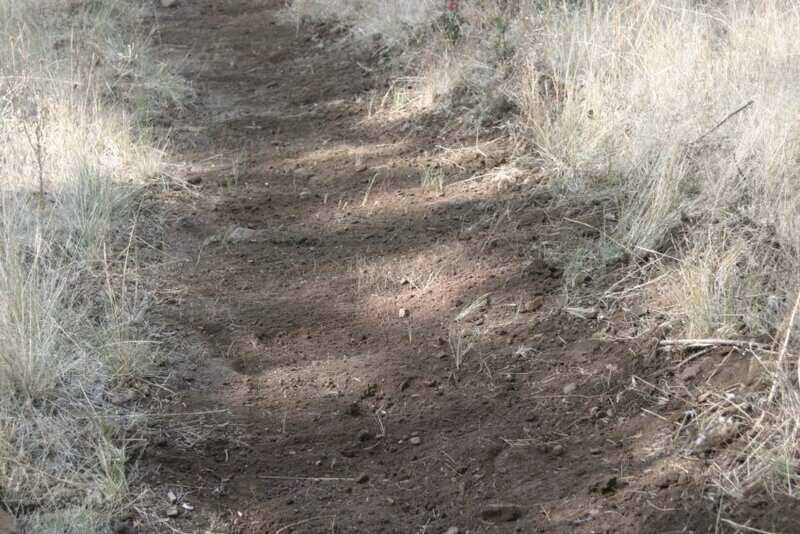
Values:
[(304, 236)]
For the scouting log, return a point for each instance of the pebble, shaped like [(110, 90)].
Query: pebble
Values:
[(453, 530), (570, 388), (416, 440), (172, 511), (402, 313), (168, 3), (558, 450), (240, 233)]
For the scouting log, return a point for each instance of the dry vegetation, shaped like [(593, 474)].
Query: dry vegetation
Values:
[(680, 114), (76, 90)]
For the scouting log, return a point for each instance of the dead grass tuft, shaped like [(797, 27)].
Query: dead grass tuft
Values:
[(77, 89)]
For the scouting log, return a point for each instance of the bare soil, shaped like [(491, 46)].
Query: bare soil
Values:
[(311, 288)]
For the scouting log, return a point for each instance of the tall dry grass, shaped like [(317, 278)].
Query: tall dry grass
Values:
[(76, 91), (682, 111)]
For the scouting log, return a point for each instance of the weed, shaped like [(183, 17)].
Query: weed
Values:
[(432, 180), (462, 341)]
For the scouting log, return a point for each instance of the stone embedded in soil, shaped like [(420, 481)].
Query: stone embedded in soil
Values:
[(171, 497), (416, 440), (607, 487), (501, 513), (239, 234), (168, 3), (570, 388), (123, 397), (172, 511), (402, 313), (582, 313), (558, 450), (453, 530)]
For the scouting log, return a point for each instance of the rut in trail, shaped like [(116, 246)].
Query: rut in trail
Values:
[(319, 297)]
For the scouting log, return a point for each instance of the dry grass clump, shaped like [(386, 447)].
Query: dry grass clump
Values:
[(685, 110), (76, 88), (457, 51)]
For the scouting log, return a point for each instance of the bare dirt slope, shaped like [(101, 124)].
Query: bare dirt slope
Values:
[(317, 295)]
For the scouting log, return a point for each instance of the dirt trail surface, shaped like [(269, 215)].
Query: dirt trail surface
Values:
[(317, 296)]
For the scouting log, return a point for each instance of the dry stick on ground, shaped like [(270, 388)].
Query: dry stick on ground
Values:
[(303, 522), (693, 357), (712, 342), (745, 527), (723, 121), (308, 479)]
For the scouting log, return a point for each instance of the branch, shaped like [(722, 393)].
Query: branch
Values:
[(723, 121)]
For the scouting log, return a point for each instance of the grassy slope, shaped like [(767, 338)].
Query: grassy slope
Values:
[(76, 87)]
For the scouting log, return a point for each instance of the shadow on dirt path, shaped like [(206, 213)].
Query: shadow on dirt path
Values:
[(319, 297)]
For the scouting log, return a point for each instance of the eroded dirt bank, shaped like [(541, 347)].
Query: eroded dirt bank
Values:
[(317, 296)]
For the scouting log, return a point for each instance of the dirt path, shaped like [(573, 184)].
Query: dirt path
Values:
[(313, 290)]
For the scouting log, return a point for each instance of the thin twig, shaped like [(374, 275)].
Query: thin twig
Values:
[(723, 121), (712, 342), (745, 527), (308, 479), (303, 522), (693, 357)]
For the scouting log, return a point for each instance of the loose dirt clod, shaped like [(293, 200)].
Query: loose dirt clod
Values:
[(501, 513)]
